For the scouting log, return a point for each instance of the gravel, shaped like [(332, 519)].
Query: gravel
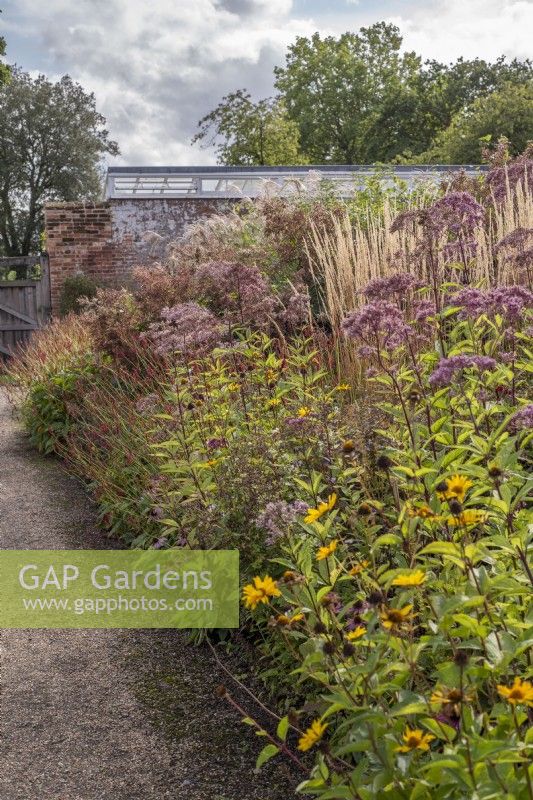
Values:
[(107, 714)]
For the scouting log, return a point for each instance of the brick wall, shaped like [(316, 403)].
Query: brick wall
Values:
[(106, 240)]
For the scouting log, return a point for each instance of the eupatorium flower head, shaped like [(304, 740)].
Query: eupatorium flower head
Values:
[(384, 288), (380, 324), (238, 292), (448, 368), (187, 328), (509, 302)]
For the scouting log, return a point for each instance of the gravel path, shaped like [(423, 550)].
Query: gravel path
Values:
[(107, 715)]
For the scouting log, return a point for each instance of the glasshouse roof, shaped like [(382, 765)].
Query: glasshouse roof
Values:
[(235, 182)]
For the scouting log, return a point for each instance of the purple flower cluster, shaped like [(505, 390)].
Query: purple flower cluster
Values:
[(384, 288), (423, 310), (278, 516), (509, 302), (295, 308), (380, 325), (448, 367), (457, 213), (237, 292), (503, 181), (516, 240), (523, 419), (459, 250), (216, 444), (187, 328)]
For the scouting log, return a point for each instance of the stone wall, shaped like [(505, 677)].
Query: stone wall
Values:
[(106, 240)]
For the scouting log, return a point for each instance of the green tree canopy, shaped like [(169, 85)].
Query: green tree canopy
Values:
[(4, 69), (354, 99), (507, 113), (247, 133), (52, 140), (337, 90)]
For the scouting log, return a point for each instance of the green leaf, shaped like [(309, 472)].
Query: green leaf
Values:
[(283, 727), (439, 729), (268, 752)]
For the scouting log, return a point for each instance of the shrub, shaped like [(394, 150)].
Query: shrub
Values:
[(74, 289)]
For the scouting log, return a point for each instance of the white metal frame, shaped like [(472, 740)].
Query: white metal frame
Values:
[(227, 182)]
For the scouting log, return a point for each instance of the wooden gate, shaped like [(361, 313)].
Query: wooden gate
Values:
[(24, 301)]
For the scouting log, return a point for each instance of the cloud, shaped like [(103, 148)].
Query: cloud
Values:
[(157, 67), (477, 28)]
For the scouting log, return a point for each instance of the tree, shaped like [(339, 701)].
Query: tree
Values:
[(507, 112), (426, 103), (247, 133), (4, 69), (52, 141), (357, 99), (338, 89)]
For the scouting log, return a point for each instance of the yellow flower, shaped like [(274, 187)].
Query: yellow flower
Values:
[(470, 516), (304, 411), (456, 486), (395, 619), (356, 633), (425, 512), (343, 387), (286, 621), (274, 401), (315, 513), (415, 578), (521, 692), (327, 550), (312, 735), (358, 568), (414, 740), (259, 591), (450, 697)]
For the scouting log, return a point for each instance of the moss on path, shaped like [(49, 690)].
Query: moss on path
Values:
[(107, 715)]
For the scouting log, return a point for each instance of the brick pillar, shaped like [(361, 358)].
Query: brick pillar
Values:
[(79, 238)]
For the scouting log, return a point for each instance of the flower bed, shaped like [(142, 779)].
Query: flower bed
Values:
[(367, 449)]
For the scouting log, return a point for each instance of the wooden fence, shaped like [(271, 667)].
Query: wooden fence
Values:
[(24, 299)]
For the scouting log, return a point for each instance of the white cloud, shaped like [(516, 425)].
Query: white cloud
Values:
[(449, 29), (157, 67)]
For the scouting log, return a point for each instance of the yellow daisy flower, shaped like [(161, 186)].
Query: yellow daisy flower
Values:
[(259, 591), (304, 411), (520, 693), (327, 550), (274, 401), (395, 619), (415, 578), (456, 486), (343, 387), (356, 633), (470, 516), (315, 513), (312, 735), (414, 740), (358, 568), (286, 621), (450, 697), (423, 511)]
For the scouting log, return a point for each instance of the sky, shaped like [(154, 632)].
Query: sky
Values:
[(157, 66)]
